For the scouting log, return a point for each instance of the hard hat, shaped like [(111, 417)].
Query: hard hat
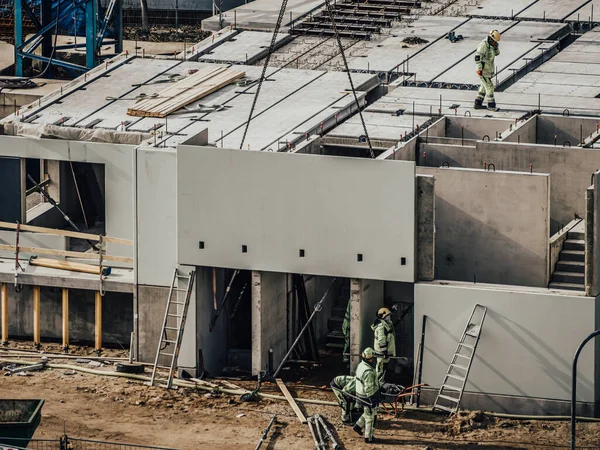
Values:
[(383, 313), (367, 353), (495, 35)]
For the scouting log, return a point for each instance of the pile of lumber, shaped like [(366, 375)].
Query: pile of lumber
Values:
[(194, 87)]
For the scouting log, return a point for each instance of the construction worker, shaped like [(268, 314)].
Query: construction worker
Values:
[(385, 341), (484, 59), (344, 389), (346, 333), (367, 394)]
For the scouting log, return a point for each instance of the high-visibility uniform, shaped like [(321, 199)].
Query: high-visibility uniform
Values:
[(345, 384), (384, 342), (367, 389), (485, 61), (346, 333)]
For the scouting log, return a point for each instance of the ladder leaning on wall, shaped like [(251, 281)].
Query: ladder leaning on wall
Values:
[(455, 380), (173, 325)]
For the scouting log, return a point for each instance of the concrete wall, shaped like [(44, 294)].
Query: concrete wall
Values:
[(491, 226), (572, 129), (27, 239), (279, 197), (269, 314), (157, 215), (405, 151), (118, 160), (524, 133), (152, 301), (366, 297), (475, 128), (527, 343), (117, 317), (570, 169), (425, 227)]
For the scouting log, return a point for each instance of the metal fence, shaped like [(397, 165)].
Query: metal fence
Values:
[(69, 443)]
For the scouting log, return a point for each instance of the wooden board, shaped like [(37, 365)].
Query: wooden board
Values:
[(73, 234), (192, 88), (67, 253), (291, 400), (65, 265)]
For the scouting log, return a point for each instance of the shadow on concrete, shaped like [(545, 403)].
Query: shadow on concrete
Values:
[(275, 434)]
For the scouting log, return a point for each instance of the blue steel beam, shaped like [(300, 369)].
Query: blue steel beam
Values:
[(18, 5), (55, 61), (91, 33), (67, 10)]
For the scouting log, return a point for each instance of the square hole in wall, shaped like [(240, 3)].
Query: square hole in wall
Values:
[(201, 245), (301, 253), (403, 261), (359, 257), (244, 249)]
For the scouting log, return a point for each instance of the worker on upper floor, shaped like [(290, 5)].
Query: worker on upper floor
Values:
[(384, 341), (367, 395), (485, 56), (344, 389)]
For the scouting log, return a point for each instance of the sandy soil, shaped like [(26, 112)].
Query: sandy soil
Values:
[(117, 409)]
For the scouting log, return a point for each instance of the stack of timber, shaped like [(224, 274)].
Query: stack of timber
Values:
[(194, 87)]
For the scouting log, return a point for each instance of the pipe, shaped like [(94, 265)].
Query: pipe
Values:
[(176, 382)]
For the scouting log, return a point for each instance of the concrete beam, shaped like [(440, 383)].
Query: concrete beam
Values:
[(269, 313)]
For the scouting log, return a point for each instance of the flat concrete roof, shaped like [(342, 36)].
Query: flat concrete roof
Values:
[(245, 48)]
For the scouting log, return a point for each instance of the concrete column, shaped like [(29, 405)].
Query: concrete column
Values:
[(594, 266), (425, 227), (366, 297), (4, 300), (36, 316), (590, 281), (98, 321), (65, 319), (269, 318)]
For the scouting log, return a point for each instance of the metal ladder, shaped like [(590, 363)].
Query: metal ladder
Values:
[(453, 386), (173, 326)]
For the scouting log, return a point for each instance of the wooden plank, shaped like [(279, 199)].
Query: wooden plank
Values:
[(204, 383), (66, 253), (65, 265), (186, 91), (291, 400), (67, 233)]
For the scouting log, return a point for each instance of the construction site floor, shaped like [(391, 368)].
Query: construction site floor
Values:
[(123, 410)]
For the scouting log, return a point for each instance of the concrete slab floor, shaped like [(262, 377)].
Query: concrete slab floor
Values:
[(551, 9)]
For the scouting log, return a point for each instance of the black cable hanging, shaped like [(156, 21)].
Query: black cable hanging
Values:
[(264, 70), (339, 42)]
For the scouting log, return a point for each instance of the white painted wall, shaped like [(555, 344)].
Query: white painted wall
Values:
[(119, 176), (527, 343), (157, 216), (275, 203)]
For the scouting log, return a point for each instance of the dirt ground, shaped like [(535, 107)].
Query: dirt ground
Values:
[(118, 409)]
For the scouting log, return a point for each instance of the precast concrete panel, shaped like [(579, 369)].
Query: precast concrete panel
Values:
[(527, 342), (156, 216), (296, 213)]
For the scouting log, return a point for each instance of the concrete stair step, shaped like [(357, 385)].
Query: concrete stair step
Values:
[(570, 266), (568, 277), (572, 255), (335, 346), (578, 235), (339, 311), (567, 286), (574, 244), (335, 338), (335, 323)]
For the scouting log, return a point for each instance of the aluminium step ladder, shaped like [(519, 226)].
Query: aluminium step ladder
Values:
[(173, 326), (453, 386)]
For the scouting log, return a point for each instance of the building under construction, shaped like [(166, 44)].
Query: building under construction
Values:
[(217, 199)]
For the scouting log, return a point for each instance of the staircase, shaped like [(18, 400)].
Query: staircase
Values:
[(570, 268), (335, 338)]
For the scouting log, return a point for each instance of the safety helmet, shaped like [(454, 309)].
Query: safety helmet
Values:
[(383, 313), (495, 35), (367, 353)]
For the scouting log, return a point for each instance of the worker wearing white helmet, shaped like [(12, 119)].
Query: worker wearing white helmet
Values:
[(367, 394), (384, 340), (485, 55)]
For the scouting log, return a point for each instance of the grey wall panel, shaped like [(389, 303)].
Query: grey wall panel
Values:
[(157, 215), (277, 204), (500, 235), (527, 343)]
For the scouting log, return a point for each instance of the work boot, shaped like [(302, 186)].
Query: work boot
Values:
[(492, 106), (478, 103), (358, 430), (370, 440)]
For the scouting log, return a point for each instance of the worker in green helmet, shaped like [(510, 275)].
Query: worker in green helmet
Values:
[(384, 341), (367, 393), (346, 333), (485, 57), (344, 389)]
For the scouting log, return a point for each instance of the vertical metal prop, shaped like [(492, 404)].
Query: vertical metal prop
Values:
[(36, 317), (98, 317), (421, 348), (65, 319)]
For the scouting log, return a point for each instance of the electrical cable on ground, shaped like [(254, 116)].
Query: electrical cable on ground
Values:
[(343, 55), (264, 69)]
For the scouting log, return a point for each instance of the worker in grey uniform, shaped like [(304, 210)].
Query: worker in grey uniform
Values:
[(384, 341), (485, 56), (367, 394), (344, 389)]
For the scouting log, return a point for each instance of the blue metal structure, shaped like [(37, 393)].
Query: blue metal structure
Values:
[(97, 27)]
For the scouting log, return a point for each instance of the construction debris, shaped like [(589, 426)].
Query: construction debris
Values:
[(414, 40)]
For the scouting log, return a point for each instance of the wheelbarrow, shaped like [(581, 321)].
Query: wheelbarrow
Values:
[(395, 395), (18, 421)]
